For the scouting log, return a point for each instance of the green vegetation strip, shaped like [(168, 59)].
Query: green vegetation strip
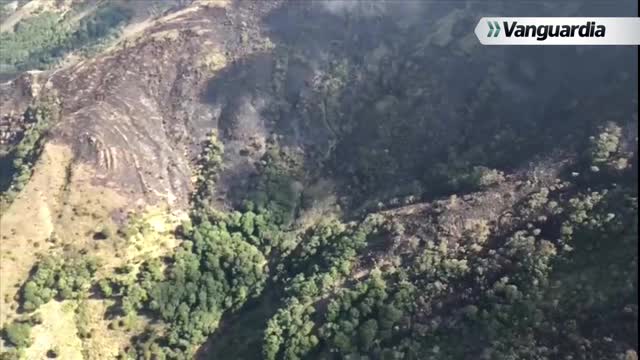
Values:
[(529, 292), (42, 40)]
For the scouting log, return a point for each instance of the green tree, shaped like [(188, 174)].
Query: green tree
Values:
[(367, 334), (18, 334)]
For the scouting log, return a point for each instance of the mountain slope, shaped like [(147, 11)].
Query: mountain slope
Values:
[(327, 179)]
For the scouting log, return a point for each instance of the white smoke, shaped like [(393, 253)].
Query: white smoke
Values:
[(404, 11), (355, 7)]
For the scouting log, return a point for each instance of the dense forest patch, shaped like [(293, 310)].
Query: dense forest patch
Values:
[(44, 39)]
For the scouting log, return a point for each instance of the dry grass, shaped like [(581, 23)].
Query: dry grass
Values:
[(167, 35), (57, 331), (85, 209), (29, 222), (104, 343), (63, 210), (159, 240), (213, 3), (213, 61)]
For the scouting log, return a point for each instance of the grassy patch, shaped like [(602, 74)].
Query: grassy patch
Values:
[(38, 202)]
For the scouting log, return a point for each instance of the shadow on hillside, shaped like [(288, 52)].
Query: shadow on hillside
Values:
[(420, 117), (415, 111)]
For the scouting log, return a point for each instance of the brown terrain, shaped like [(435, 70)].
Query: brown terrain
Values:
[(133, 119)]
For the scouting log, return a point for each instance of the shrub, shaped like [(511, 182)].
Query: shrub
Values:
[(18, 334)]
